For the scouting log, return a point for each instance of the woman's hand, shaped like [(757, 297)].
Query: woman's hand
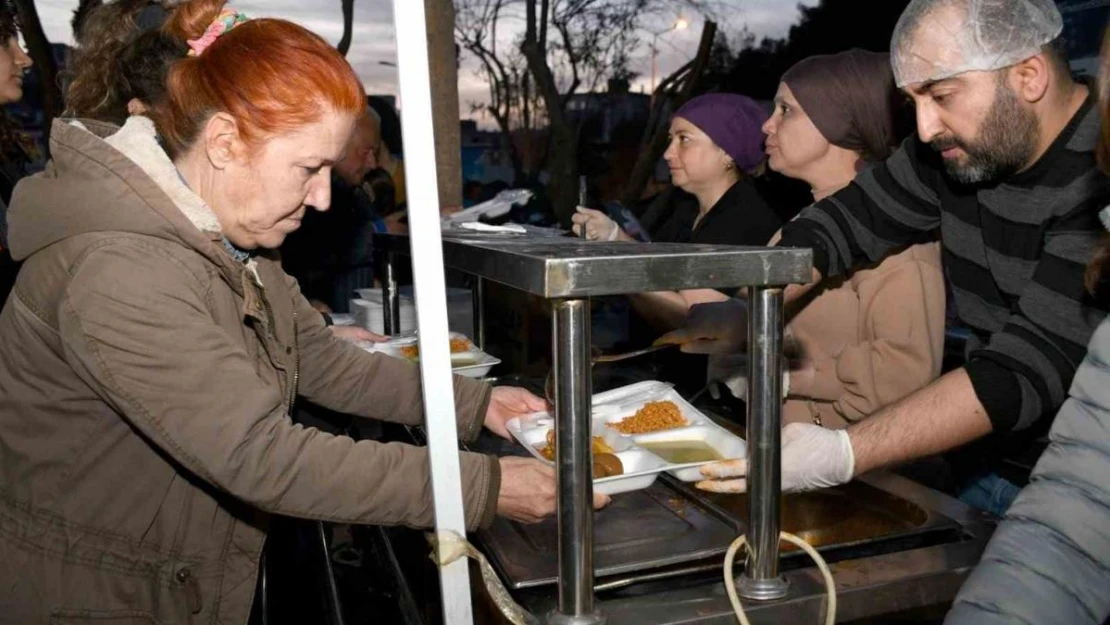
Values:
[(528, 492), (594, 225), (714, 328), (507, 402)]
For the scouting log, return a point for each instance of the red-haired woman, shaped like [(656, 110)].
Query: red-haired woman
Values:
[(152, 349)]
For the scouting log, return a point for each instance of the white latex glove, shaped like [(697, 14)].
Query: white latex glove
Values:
[(732, 371), (594, 225), (812, 458), (713, 328)]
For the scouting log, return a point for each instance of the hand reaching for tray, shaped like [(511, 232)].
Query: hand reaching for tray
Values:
[(812, 458), (507, 402), (528, 492)]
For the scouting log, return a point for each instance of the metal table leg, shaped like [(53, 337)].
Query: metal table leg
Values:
[(391, 302), (479, 303), (574, 464), (761, 580)]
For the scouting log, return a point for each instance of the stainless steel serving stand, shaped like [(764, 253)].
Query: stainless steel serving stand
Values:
[(568, 272)]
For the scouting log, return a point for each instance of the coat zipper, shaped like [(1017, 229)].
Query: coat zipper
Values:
[(296, 362), (296, 348)]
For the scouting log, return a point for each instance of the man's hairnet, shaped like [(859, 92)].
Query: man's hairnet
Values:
[(937, 39)]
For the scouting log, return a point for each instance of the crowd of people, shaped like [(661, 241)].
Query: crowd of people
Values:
[(213, 192)]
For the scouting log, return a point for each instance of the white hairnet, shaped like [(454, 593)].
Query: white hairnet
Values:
[(937, 39)]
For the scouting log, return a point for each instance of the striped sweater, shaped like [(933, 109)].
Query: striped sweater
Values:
[(1014, 255)]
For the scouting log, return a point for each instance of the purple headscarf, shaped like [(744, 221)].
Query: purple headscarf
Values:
[(733, 122)]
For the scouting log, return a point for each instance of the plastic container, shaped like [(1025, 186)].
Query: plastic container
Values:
[(473, 363), (642, 465)]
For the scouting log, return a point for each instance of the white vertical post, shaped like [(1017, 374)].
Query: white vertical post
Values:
[(431, 296)]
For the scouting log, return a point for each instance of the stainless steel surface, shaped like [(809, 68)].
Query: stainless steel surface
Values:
[(761, 580), (391, 299), (556, 618), (870, 583), (569, 267), (479, 303), (573, 462), (639, 532), (672, 530)]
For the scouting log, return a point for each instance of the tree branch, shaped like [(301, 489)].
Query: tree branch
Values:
[(344, 44)]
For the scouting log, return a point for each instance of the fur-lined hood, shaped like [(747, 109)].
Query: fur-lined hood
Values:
[(107, 179)]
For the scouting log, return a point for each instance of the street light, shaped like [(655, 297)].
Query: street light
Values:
[(679, 24)]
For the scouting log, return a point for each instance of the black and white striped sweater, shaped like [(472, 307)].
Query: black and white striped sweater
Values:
[(1014, 255)]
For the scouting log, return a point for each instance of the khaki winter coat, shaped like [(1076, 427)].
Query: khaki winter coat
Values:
[(145, 382)]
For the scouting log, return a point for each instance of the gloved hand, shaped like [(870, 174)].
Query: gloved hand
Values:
[(812, 458), (713, 328), (732, 371), (594, 225)]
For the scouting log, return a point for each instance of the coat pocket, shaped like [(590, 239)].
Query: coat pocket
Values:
[(102, 617)]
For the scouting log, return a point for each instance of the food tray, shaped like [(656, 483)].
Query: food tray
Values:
[(473, 363), (641, 465)]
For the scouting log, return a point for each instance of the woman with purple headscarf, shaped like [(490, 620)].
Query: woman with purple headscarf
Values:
[(878, 335), (715, 146)]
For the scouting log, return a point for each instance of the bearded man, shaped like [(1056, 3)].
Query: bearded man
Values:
[(1002, 171)]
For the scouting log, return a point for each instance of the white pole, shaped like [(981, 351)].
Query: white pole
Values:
[(431, 296)]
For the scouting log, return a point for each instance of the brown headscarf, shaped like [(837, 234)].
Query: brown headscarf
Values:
[(850, 97)]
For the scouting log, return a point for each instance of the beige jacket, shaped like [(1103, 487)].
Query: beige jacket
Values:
[(145, 379), (869, 341)]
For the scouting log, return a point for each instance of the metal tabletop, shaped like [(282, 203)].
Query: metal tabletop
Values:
[(570, 267)]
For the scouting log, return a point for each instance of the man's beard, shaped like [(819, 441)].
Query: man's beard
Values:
[(1006, 142)]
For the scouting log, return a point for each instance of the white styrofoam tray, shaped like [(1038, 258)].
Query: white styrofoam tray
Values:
[(641, 466), (473, 363)]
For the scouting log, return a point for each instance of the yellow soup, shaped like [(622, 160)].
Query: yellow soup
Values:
[(681, 452)]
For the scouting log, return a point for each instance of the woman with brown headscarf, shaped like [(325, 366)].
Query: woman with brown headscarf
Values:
[(875, 337)]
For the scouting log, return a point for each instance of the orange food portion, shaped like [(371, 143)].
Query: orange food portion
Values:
[(548, 451), (654, 416), (458, 345)]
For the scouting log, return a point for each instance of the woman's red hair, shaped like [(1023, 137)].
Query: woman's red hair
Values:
[(271, 75)]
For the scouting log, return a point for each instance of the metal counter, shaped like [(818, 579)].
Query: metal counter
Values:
[(568, 271), (874, 577)]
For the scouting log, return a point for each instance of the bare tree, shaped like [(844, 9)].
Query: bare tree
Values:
[(442, 59), (567, 47), (480, 26), (348, 26)]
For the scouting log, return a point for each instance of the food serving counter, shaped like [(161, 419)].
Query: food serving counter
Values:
[(654, 555)]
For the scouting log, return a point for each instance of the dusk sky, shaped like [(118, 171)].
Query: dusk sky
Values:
[(375, 39)]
